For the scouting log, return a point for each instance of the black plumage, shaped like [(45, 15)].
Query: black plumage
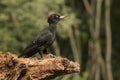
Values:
[(45, 38)]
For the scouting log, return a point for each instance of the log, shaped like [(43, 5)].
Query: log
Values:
[(14, 68)]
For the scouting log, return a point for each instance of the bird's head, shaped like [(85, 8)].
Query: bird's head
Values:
[(54, 18)]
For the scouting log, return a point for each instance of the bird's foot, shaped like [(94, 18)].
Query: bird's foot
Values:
[(52, 56)]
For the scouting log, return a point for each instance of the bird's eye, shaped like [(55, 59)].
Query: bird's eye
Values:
[(56, 17)]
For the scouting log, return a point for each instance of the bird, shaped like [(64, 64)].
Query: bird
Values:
[(44, 39)]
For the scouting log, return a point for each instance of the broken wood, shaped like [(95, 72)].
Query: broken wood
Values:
[(14, 68)]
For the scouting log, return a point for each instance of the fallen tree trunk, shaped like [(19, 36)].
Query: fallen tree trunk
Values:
[(14, 68)]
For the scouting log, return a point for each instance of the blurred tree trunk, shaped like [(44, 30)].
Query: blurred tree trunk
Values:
[(109, 40), (91, 64), (74, 37), (94, 11), (74, 50), (73, 45), (78, 43), (92, 60), (97, 37)]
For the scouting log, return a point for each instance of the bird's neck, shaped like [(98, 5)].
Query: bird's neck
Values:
[(53, 27)]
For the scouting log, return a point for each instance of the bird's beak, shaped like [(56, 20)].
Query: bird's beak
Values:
[(62, 17)]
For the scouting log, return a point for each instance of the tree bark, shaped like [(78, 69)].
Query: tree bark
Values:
[(14, 68)]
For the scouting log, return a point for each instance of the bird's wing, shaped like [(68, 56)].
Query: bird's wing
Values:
[(40, 40), (43, 38), (30, 47)]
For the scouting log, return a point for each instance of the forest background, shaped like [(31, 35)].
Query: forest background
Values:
[(89, 35)]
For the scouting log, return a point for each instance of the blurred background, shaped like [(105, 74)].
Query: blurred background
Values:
[(89, 35)]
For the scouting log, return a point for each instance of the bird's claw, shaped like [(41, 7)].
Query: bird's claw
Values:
[(52, 56)]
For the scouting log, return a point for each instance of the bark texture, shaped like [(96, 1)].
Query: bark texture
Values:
[(14, 68)]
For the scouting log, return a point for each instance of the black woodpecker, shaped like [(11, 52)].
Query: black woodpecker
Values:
[(44, 39)]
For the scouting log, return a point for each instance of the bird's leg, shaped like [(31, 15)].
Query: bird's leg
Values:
[(52, 50), (40, 53), (45, 51)]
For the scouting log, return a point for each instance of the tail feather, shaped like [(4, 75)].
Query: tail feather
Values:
[(29, 51)]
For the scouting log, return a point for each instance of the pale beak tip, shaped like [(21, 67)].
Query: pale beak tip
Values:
[(62, 17)]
